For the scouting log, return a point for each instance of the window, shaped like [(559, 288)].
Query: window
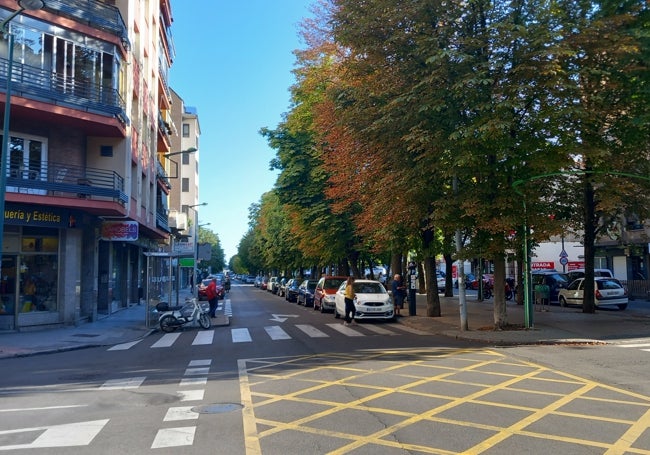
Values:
[(185, 185), (186, 130), (186, 158)]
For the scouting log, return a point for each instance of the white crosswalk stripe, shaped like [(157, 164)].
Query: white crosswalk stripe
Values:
[(287, 332), (635, 345)]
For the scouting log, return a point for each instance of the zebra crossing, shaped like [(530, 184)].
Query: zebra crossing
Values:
[(642, 345), (274, 333)]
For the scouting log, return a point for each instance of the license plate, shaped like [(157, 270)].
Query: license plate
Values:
[(374, 310)]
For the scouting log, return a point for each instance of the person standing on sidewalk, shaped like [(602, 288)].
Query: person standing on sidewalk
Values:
[(213, 296), (349, 301), (399, 292)]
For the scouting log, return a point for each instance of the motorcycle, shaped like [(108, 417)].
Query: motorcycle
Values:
[(173, 317)]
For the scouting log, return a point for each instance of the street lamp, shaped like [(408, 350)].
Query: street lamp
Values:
[(4, 26), (195, 240), (182, 152)]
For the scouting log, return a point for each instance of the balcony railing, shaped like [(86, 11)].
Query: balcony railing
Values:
[(35, 83), (91, 12), (58, 179)]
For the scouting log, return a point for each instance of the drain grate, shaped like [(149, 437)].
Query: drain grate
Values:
[(218, 408)]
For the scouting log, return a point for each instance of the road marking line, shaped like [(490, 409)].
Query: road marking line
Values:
[(276, 333), (166, 340), (204, 337), (68, 435), (637, 345), (124, 346), (121, 384), (379, 330), (192, 381), (240, 336), (411, 329), (44, 408), (195, 371), (174, 437), (198, 363), (312, 331), (191, 395), (346, 330), (180, 413)]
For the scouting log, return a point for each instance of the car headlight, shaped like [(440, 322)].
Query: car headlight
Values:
[(329, 298)]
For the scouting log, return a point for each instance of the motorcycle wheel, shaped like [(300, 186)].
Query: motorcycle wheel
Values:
[(168, 323), (204, 321), (509, 295)]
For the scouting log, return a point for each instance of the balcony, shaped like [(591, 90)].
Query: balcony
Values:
[(93, 13), (34, 83), (65, 180)]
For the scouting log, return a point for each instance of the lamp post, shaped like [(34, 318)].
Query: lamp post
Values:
[(4, 26), (195, 241), (182, 152)]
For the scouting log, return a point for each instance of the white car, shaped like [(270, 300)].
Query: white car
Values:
[(372, 301), (609, 292)]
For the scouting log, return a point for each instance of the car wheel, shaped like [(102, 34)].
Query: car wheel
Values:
[(622, 306), (562, 301), (336, 313)]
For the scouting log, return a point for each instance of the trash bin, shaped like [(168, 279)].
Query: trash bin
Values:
[(542, 295)]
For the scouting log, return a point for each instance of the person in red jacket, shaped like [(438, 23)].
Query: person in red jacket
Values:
[(213, 297)]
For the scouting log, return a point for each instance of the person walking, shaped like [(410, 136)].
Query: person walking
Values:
[(349, 301), (213, 296), (399, 292)]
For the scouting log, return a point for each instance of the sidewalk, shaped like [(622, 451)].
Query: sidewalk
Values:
[(556, 326), (553, 325), (128, 324)]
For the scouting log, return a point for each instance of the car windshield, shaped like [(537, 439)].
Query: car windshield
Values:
[(369, 288), (333, 283)]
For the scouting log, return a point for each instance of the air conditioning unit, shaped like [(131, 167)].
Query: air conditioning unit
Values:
[(177, 220)]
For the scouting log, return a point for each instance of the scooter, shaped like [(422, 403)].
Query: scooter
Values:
[(177, 316)]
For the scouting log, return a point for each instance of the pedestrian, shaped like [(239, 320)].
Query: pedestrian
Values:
[(349, 301), (213, 297), (192, 282), (399, 292)]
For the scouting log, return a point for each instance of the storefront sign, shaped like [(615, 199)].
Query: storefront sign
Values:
[(122, 231), (545, 265), (30, 215)]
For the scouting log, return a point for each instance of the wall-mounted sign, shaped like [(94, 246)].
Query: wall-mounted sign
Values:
[(123, 231), (36, 215)]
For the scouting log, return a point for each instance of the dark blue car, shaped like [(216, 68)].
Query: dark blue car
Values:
[(291, 290), (306, 292)]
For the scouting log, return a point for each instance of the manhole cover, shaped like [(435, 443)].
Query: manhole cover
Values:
[(217, 408)]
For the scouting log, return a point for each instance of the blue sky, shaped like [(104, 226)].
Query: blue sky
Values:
[(233, 63)]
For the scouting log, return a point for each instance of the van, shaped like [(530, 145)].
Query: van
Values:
[(580, 273)]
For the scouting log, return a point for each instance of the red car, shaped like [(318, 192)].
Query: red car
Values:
[(325, 291), (203, 285)]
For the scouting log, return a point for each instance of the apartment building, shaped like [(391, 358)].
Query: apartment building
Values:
[(87, 186)]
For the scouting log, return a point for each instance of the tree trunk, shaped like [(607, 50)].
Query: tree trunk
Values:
[(449, 283), (433, 299), (499, 309)]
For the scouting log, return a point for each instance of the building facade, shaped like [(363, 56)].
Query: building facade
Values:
[(87, 187)]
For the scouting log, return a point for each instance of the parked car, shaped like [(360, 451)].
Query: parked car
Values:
[(306, 293), (291, 290), (325, 290), (442, 281), (553, 279), (371, 301), (281, 286), (264, 283), (250, 279), (580, 273), (272, 284), (608, 292)]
